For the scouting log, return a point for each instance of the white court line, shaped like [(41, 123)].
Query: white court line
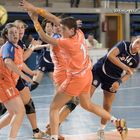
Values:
[(97, 91), (125, 107), (74, 135), (110, 131)]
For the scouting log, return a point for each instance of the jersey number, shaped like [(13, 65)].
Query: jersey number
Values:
[(128, 59), (84, 50)]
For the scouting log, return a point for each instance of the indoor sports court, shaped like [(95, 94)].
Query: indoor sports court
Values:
[(81, 125), (107, 22)]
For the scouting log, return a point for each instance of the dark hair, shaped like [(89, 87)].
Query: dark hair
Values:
[(20, 21), (5, 30), (91, 34), (69, 22), (44, 22)]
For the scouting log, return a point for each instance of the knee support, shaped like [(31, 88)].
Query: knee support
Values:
[(71, 105), (34, 85), (2, 109), (30, 108)]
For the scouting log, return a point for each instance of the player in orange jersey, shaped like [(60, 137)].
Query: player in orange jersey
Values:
[(78, 68), (9, 64)]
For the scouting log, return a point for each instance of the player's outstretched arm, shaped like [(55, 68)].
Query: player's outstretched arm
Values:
[(40, 11), (44, 37)]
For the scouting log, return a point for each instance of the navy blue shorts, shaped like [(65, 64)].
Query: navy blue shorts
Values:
[(44, 65), (100, 78), (21, 84)]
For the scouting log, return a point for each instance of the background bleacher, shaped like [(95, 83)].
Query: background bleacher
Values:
[(135, 24), (91, 17), (90, 22)]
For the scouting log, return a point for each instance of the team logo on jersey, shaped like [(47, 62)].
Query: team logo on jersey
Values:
[(122, 58), (130, 64), (95, 82), (12, 48), (43, 68)]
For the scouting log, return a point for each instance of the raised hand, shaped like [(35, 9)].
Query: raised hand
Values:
[(129, 71), (27, 6), (115, 86)]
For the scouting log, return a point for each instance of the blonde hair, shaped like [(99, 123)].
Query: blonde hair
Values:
[(20, 21)]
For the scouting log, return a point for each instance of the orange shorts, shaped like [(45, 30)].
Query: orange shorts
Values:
[(7, 91), (59, 77), (74, 85)]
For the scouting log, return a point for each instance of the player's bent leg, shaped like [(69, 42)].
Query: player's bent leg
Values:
[(121, 126), (107, 105), (55, 107), (31, 113), (86, 103), (68, 108), (34, 85), (15, 105), (64, 112), (6, 119), (2, 109)]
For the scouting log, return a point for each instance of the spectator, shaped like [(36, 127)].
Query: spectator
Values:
[(91, 41), (75, 3)]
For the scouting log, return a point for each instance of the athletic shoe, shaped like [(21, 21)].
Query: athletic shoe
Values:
[(100, 134), (38, 135), (122, 128), (48, 132)]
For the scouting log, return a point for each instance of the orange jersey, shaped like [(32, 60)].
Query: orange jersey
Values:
[(58, 59), (18, 60), (8, 50), (76, 53)]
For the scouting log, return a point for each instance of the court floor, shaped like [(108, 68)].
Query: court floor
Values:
[(82, 125)]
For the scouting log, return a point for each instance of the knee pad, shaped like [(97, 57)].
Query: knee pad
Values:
[(2, 109), (21, 84), (71, 105), (34, 85), (30, 108)]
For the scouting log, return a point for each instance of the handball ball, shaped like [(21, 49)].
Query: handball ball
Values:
[(3, 15)]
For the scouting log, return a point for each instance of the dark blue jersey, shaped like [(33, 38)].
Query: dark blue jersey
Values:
[(125, 56), (22, 45)]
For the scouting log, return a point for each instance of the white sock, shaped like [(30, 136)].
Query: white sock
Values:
[(54, 137), (102, 126), (113, 119)]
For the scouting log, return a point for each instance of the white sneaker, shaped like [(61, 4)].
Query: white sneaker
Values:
[(100, 134), (38, 135), (122, 128)]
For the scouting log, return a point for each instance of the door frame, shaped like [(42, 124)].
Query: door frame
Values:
[(120, 25)]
